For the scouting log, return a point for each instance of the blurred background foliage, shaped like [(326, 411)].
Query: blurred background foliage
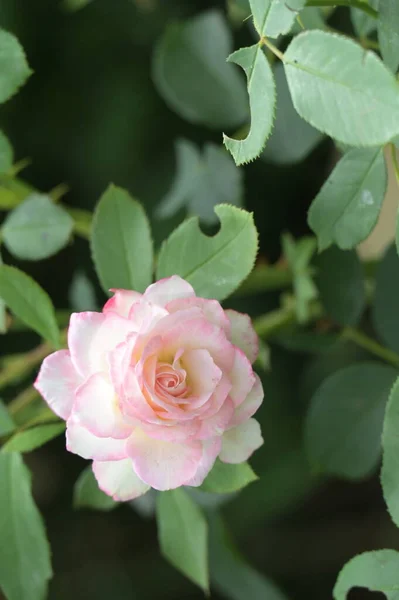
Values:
[(91, 115)]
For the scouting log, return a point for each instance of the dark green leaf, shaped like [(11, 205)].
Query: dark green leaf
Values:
[(25, 566), (225, 478), (386, 299), (347, 207), (29, 302), (87, 494), (376, 571), (26, 441), (7, 425), (191, 73), (37, 228), (6, 154), (390, 455), (262, 100), (215, 266), (363, 23), (14, 70), (273, 17), (121, 242), (183, 535), (340, 280), (388, 32), (355, 79), (344, 423)]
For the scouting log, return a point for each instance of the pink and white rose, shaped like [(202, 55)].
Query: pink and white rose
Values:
[(155, 388)]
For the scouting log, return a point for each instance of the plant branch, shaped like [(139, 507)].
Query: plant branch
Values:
[(364, 341), (349, 3), (264, 41)]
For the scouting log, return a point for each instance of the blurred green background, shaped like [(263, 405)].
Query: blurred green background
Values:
[(89, 115)]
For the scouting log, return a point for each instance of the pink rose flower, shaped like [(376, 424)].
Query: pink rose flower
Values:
[(155, 388)]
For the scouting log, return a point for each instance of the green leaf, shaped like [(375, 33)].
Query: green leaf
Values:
[(82, 295), (355, 79), (26, 441), (312, 17), (202, 182), (7, 425), (262, 100), (292, 139), (225, 478), (87, 494), (363, 23), (390, 455), (14, 70), (273, 17), (121, 242), (298, 255), (37, 228), (388, 33), (6, 154), (215, 266), (386, 299), (231, 576), (3, 312), (376, 571), (25, 566), (183, 535), (347, 207), (191, 74), (344, 423), (340, 281), (29, 302)]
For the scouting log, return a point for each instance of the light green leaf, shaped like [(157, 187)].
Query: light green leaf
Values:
[(231, 576), (274, 17), (29, 302), (298, 255), (363, 23), (3, 312), (183, 535), (14, 70), (87, 494), (121, 242), (82, 295), (6, 154), (386, 299), (191, 74), (202, 182), (390, 455), (344, 423), (388, 33), (25, 566), (7, 425), (376, 571), (312, 17), (292, 138), (215, 266), (26, 441), (347, 208), (262, 100), (225, 478), (355, 79), (37, 228), (340, 281)]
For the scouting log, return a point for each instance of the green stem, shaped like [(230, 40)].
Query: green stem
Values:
[(363, 341), (350, 3), (265, 279), (264, 41), (395, 162)]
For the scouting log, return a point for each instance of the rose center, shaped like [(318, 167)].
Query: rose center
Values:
[(170, 380)]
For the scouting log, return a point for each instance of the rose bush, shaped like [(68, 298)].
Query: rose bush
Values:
[(155, 388)]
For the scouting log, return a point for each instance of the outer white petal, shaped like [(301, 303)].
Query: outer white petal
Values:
[(243, 334), (240, 442), (250, 405), (57, 382), (118, 479), (211, 450), (80, 441), (170, 288), (121, 302)]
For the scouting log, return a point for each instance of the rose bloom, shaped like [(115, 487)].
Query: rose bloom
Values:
[(155, 388)]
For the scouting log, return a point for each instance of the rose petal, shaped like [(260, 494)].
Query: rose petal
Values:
[(210, 452), (242, 377), (218, 423), (118, 479), (165, 290), (211, 309), (96, 408), (250, 405), (57, 381), (240, 442), (81, 441), (163, 465), (202, 373), (121, 302), (243, 334)]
